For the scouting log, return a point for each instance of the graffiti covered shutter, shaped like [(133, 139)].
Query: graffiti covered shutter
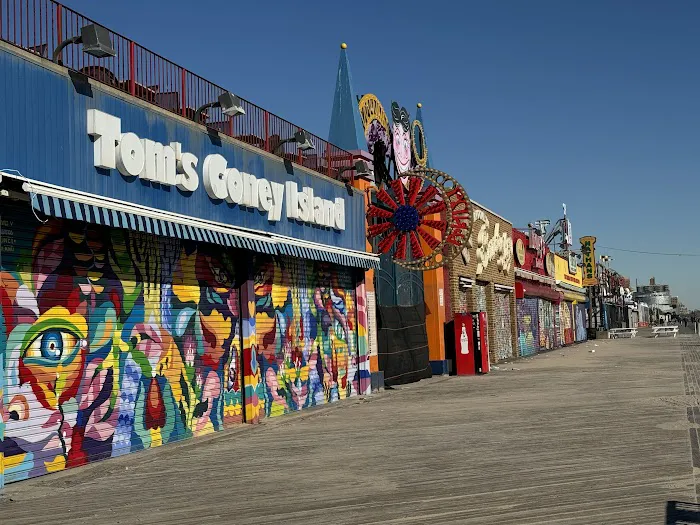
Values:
[(547, 339), (116, 341), (569, 323), (528, 336), (581, 321), (305, 316), (502, 322), (558, 332), (566, 331), (479, 291)]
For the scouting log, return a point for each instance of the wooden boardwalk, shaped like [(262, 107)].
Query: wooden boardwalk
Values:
[(566, 437)]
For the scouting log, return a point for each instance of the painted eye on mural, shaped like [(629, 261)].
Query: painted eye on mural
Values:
[(51, 344)]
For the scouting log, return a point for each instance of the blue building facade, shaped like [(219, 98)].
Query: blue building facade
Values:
[(158, 280)]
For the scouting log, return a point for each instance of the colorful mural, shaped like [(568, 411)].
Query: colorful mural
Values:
[(546, 324), (116, 341), (558, 331), (567, 323), (527, 326), (306, 334)]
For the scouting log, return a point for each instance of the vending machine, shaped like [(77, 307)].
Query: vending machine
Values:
[(464, 347), (471, 344), (481, 342)]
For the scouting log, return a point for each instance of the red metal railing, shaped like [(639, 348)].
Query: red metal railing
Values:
[(39, 26)]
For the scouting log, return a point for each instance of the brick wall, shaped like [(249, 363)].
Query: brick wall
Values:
[(492, 258)]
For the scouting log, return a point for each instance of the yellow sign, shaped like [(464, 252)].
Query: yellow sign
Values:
[(588, 252), (374, 119), (520, 251), (561, 268)]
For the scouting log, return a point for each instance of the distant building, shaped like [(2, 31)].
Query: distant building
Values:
[(660, 301)]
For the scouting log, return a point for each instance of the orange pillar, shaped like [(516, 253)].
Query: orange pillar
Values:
[(434, 292), (434, 285)]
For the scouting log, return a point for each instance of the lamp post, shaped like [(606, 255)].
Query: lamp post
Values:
[(229, 103), (360, 168), (301, 138), (95, 39)]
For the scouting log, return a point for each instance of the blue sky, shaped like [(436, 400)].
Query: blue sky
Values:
[(528, 103)]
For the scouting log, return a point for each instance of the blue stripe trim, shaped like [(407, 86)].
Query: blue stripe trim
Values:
[(69, 207)]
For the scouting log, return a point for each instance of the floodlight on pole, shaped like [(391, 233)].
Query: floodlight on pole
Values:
[(95, 39), (301, 137), (360, 167), (229, 103)]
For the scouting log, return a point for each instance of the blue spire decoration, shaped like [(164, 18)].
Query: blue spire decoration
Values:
[(419, 118), (346, 125)]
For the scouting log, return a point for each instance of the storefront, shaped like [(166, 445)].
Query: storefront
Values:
[(159, 280), (535, 293), (482, 280), (573, 317)]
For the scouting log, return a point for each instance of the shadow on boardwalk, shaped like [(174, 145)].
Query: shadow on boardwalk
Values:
[(682, 513)]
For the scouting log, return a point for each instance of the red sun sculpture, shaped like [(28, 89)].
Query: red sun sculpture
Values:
[(425, 216)]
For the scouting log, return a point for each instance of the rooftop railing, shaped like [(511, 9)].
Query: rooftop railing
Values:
[(39, 26)]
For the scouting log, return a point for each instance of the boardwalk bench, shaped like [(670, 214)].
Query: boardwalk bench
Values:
[(614, 333), (664, 330)]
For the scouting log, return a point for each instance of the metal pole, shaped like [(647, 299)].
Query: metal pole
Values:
[(589, 291), (132, 68)]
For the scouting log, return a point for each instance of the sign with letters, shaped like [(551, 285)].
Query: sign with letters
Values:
[(588, 252), (495, 247), (167, 165), (536, 243)]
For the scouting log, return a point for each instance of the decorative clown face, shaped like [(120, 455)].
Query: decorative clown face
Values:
[(401, 137)]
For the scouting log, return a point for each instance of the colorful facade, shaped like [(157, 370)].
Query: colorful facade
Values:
[(573, 313), (169, 269), (161, 280), (537, 299)]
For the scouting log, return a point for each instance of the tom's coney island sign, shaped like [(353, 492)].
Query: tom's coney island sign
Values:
[(167, 165)]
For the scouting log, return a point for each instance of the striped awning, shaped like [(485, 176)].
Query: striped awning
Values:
[(336, 257), (65, 208), (68, 209)]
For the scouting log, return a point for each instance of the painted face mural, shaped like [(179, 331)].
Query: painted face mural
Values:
[(116, 341), (401, 137), (307, 350)]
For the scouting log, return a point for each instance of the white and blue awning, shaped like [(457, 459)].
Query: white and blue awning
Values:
[(63, 204), (68, 209), (316, 254)]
